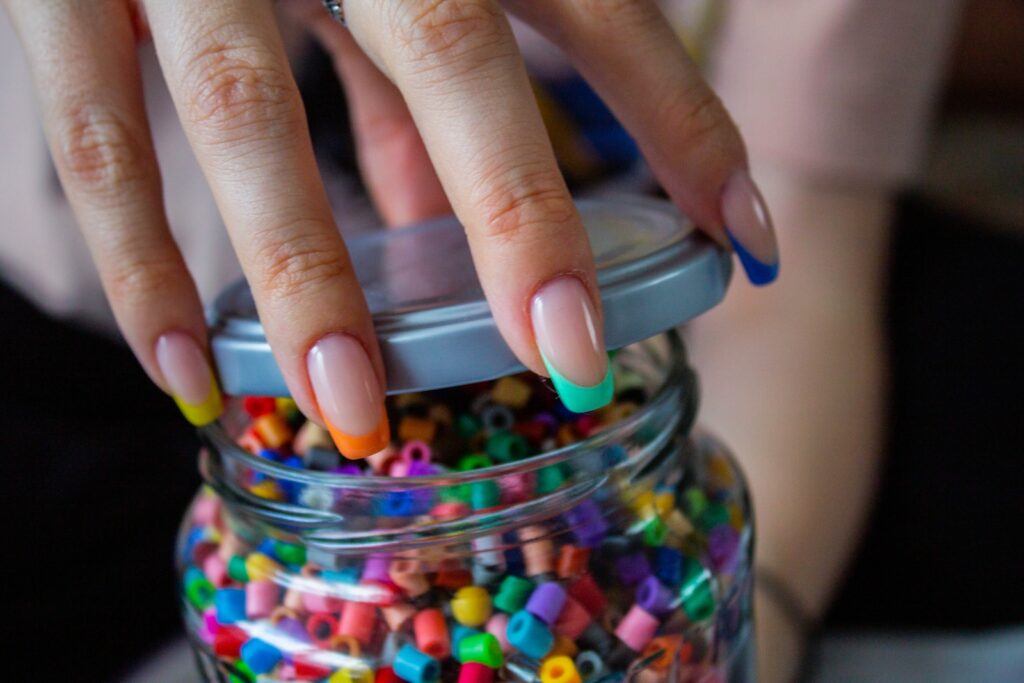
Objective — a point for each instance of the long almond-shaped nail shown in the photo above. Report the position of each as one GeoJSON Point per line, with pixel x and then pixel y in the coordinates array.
{"type": "Point", "coordinates": [750, 230]}
{"type": "Point", "coordinates": [571, 344]}
{"type": "Point", "coordinates": [348, 395]}
{"type": "Point", "coordinates": [193, 385]}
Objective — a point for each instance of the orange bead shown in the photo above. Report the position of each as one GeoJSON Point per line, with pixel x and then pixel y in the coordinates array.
{"type": "Point", "coordinates": [512, 392]}
{"type": "Point", "coordinates": [572, 561]}
{"type": "Point", "coordinates": [272, 430]}
{"type": "Point", "coordinates": [407, 574]}
{"type": "Point", "coordinates": [358, 620]}
{"type": "Point", "coordinates": [538, 550]}
{"type": "Point", "coordinates": [669, 646]}
{"type": "Point", "coordinates": [566, 435]}
{"type": "Point", "coordinates": [417, 429]}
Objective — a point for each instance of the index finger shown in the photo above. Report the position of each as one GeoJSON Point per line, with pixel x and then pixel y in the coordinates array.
{"type": "Point", "coordinates": [457, 65]}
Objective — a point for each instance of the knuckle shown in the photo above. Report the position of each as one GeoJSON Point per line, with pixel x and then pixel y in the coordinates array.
{"type": "Point", "coordinates": [532, 204]}
{"type": "Point", "coordinates": [446, 33]}
{"type": "Point", "coordinates": [234, 89]}
{"type": "Point", "coordinates": [703, 119]}
{"type": "Point", "coordinates": [142, 281]}
{"type": "Point", "coordinates": [302, 264]}
{"type": "Point", "coordinates": [612, 12]}
{"type": "Point", "coordinates": [99, 152]}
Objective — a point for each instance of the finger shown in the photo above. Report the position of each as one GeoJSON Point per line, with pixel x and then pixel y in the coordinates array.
{"type": "Point", "coordinates": [458, 67]}
{"type": "Point", "coordinates": [83, 62]}
{"type": "Point", "coordinates": [228, 74]}
{"type": "Point", "coordinates": [629, 53]}
{"type": "Point", "coordinates": [394, 163]}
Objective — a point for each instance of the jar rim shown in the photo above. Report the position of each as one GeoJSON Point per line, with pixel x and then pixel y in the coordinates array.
{"type": "Point", "coordinates": [678, 383]}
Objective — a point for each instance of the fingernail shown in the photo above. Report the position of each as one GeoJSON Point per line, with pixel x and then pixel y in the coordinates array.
{"type": "Point", "coordinates": [348, 395]}
{"type": "Point", "coordinates": [571, 345]}
{"type": "Point", "coordinates": [750, 230]}
{"type": "Point", "coordinates": [193, 385]}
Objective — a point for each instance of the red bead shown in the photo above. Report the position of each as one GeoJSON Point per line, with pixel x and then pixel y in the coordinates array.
{"type": "Point", "coordinates": [259, 405]}
{"type": "Point", "coordinates": [475, 672]}
{"type": "Point", "coordinates": [321, 627]}
{"type": "Point", "coordinates": [386, 674]}
{"type": "Point", "coordinates": [228, 641]}
{"type": "Point", "coordinates": [587, 593]}
{"type": "Point", "coordinates": [308, 671]}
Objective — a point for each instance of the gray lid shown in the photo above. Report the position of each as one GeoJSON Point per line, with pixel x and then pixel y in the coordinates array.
{"type": "Point", "coordinates": [434, 325]}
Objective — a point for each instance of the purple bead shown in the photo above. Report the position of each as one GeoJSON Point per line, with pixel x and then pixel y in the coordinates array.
{"type": "Point", "coordinates": [587, 524]}
{"type": "Point", "coordinates": [294, 628]}
{"type": "Point", "coordinates": [654, 597]}
{"type": "Point", "coordinates": [420, 468]}
{"type": "Point", "coordinates": [546, 602]}
{"type": "Point", "coordinates": [723, 542]}
{"type": "Point", "coordinates": [376, 568]}
{"type": "Point", "coordinates": [349, 469]}
{"type": "Point", "coordinates": [633, 568]}
{"type": "Point", "coordinates": [548, 420]}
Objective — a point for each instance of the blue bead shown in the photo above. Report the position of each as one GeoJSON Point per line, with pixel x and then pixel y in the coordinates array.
{"type": "Point", "coordinates": [293, 461]}
{"type": "Point", "coordinates": [668, 565]}
{"type": "Point", "coordinates": [268, 548]}
{"type": "Point", "coordinates": [269, 454]}
{"type": "Point", "coordinates": [195, 536]}
{"type": "Point", "coordinates": [416, 667]}
{"type": "Point", "coordinates": [349, 575]}
{"type": "Point", "coordinates": [529, 635]}
{"type": "Point", "coordinates": [396, 504]}
{"type": "Point", "coordinates": [260, 655]}
{"type": "Point", "coordinates": [230, 605]}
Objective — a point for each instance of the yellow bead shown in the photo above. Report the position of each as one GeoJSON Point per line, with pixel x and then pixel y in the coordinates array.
{"type": "Point", "coordinates": [260, 567]}
{"type": "Point", "coordinates": [417, 429]}
{"type": "Point", "coordinates": [267, 489]}
{"type": "Point", "coordinates": [560, 669]}
{"type": "Point", "coordinates": [563, 648]}
{"type": "Point", "coordinates": [471, 606]}
{"type": "Point", "coordinates": [511, 391]}
{"type": "Point", "coordinates": [664, 503]}
{"type": "Point", "coordinates": [643, 504]}
{"type": "Point", "coordinates": [678, 524]}
{"type": "Point", "coordinates": [353, 674]}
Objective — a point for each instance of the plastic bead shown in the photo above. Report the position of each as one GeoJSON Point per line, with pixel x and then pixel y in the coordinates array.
{"type": "Point", "coordinates": [573, 620]}
{"type": "Point", "coordinates": [414, 666]}
{"type": "Point", "coordinates": [696, 594]}
{"type": "Point", "coordinates": [587, 522]}
{"type": "Point", "coordinates": [260, 598]}
{"type": "Point", "coordinates": [352, 674]}
{"type": "Point", "coordinates": [546, 602]}
{"type": "Point", "coordinates": [230, 605]}
{"type": "Point", "coordinates": [471, 606]}
{"type": "Point", "coordinates": [255, 406]}
{"type": "Point", "coordinates": [306, 670]}
{"type": "Point", "coordinates": [559, 669]}
{"type": "Point", "coordinates": [483, 648]}
{"type": "Point", "coordinates": [216, 570]}
{"type": "Point", "coordinates": [529, 635]}
{"type": "Point", "coordinates": [572, 561]}
{"type": "Point", "coordinates": [260, 655]}
{"type": "Point", "coordinates": [633, 568]}
{"type": "Point", "coordinates": [654, 597]}
{"type": "Point", "coordinates": [563, 647]}
{"type": "Point", "coordinates": [497, 626]}
{"type": "Point", "coordinates": [670, 646]}
{"type": "Point", "coordinates": [513, 594]}
{"type": "Point", "coordinates": [484, 494]}
{"type": "Point", "coordinates": [637, 628]}
{"type": "Point", "coordinates": [386, 674]}
{"type": "Point", "coordinates": [228, 641]}
{"type": "Point", "coordinates": [321, 628]}
{"type": "Point", "coordinates": [407, 574]}
{"type": "Point", "coordinates": [272, 430]}
{"type": "Point", "coordinates": [458, 634]}
{"type": "Point", "coordinates": [506, 447]}
{"type": "Point", "coordinates": [474, 672]}
{"type": "Point", "coordinates": [431, 631]}
{"type": "Point", "coordinates": [358, 620]}
{"type": "Point", "coordinates": [588, 594]}
{"type": "Point", "coordinates": [417, 429]}
{"type": "Point", "coordinates": [723, 544]}
{"type": "Point", "coordinates": [397, 616]}
{"type": "Point", "coordinates": [198, 589]}
{"type": "Point", "coordinates": [259, 567]}
{"type": "Point", "coordinates": [590, 666]}
{"type": "Point", "coordinates": [512, 392]}
{"type": "Point", "coordinates": [549, 479]}
{"type": "Point", "coordinates": [538, 551]}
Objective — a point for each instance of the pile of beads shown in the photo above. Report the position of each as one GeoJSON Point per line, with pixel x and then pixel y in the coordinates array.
{"type": "Point", "coordinates": [641, 578]}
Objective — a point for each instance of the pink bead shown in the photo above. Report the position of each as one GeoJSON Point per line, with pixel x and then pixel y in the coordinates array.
{"type": "Point", "coordinates": [398, 468]}
{"type": "Point", "coordinates": [358, 620]}
{"type": "Point", "coordinates": [637, 628]}
{"type": "Point", "coordinates": [216, 570]}
{"type": "Point", "coordinates": [475, 672]}
{"type": "Point", "coordinates": [416, 450]}
{"type": "Point", "coordinates": [397, 616]}
{"type": "Point", "coordinates": [573, 619]}
{"type": "Point", "coordinates": [260, 598]}
{"type": "Point", "coordinates": [318, 602]}
{"type": "Point", "coordinates": [497, 626]}
{"type": "Point", "coordinates": [210, 623]}
{"type": "Point", "coordinates": [431, 632]}
{"type": "Point", "coordinates": [586, 424]}
{"type": "Point", "coordinates": [206, 511]}
{"type": "Point", "coordinates": [293, 600]}
{"type": "Point", "coordinates": [450, 510]}
{"type": "Point", "coordinates": [516, 488]}
{"type": "Point", "coordinates": [202, 550]}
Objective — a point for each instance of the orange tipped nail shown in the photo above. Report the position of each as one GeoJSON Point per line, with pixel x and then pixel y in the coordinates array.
{"type": "Point", "coordinates": [365, 445]}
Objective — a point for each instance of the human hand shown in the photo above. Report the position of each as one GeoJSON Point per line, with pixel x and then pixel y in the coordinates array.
{"type": "Point", "coordinates": [458, 124]}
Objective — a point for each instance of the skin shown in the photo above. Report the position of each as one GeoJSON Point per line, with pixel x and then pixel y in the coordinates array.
{"type": "Point", "coordinates": [444, 118]}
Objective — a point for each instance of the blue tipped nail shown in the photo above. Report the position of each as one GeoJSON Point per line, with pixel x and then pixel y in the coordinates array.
{"type": "Point", "coordinates": [758, 272]}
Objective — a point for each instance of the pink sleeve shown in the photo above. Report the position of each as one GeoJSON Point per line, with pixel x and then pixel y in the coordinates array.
{"type": "Point", "coordinates": [835, 88]}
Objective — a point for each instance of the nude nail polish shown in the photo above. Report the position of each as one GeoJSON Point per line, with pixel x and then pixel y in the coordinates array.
{"type": "Point", "coordinates": [348, 395]}
{"type": "Point", "coordinates": [749, 227]}
{"type": "Point", "coordinates": [192, 383]}
{"type": "Point", "coordinates": [571, 344]}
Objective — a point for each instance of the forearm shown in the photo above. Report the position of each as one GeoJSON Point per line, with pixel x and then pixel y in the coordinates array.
{"type": "Point", "coordinates": [793, 376]}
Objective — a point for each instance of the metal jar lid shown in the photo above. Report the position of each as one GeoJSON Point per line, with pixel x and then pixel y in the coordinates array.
{"type": "Point", "coordinates": [655, 271]}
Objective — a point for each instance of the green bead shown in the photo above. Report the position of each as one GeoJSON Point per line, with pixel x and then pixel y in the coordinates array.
{"type": "Point", "coordinates": [697, 595]}
{"type": "Point", "coordinates": [483, 648]}
{"type": "Point", "coordinates": [290, 553]}
{"type": "Point", "coordinates": [696, 502]}
{"type": "Point", "coordinates": [507, 446]}
{"type": "Point", "coordinates": [459, 493]}
{"type": "Point", "coordinates": [237, 570]}
{"type": "Point", "coordinates": [655, 532]}
{"type": "Point", "coordinates": [513, 594]}
{"type": "Point", "coordinates": [199, 592]}
{"type": "Point", "coordinates": [467, 426]}
{"type": "Point", "coordinates": [473, 461]}
{"type": "Point", "coordinates": [550, 478]}
{"type": "Point", "coordinates": [484, 494]}
{"type": "Point", "coordinates": [713, 515]}
{"type": "Point", "coordinates": [244, 673]}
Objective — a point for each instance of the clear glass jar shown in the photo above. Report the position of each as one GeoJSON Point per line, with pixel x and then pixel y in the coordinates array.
{"type": "Point", "coordinates": [622, 550]}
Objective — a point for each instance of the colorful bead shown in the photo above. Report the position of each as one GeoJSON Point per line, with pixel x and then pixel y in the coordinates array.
{"type": "Point", "coordinates": [260, 655]}
{"type": "Point", "coordinates": [529, 635]}
{"type": "Point", "coordinates": [590, 666]}
{"type": "Point", "coordinates": [230, 605]}
{"type": "Point", "coordinates": [546, 602]}
{"type": "Point", "coordinates": [637, 628]}
{"type": "Point", "coordinates": [259, 566]}
{"type": "Point", "coordinates": [431, 630]}
{"type": "Point", "coordinates": [321, 628]}
{"type": "Point", "coordinates": [413, 666]}
{"type": "Point", "coordinates": [506, 447]}
{"type": "Point", "coordinates": [352, 674]}
{"type": "Point", "coordinates": [358, 620]}
{"type": "Point", "coordinates": [497, 626]}
{"type": "Point", "coordinates": [654, 596]}
{"type": "Point", "coordinates": [471, 606]}
{"type": "Point", "coordinates": [198, 589]}
{"type": "Point", "coordinates": [513, 594]}
{"type": "Point", "coordinates": [573, 620]}
{"type": "Point", "coordinates": [272, 430]}
{"type": "Point", "coordinates": [587, 593]}
{"type": "Point", "coordinates": [538, 551]}
{"type": "Point", "coordinates": [474, 672]}
{"type": "Point", "coordinates": [559, 669]}
{"type": "Point", "coordinates": [483, 648]}
{"type": "Point", "coordinates": [260, 598]}
{"type": "Point", "coordinates": [511, 391]}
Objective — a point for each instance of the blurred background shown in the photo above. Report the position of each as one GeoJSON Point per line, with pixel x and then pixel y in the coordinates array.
{"type": "Point", "coordinates": [873, 395]}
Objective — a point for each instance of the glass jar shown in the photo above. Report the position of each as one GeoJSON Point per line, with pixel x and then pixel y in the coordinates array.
{"type": "Point", "coordinates": [600, 547]}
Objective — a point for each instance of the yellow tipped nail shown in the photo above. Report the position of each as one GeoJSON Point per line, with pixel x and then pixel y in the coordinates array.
{"type": "Point", "coordinates": [200, 414]}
